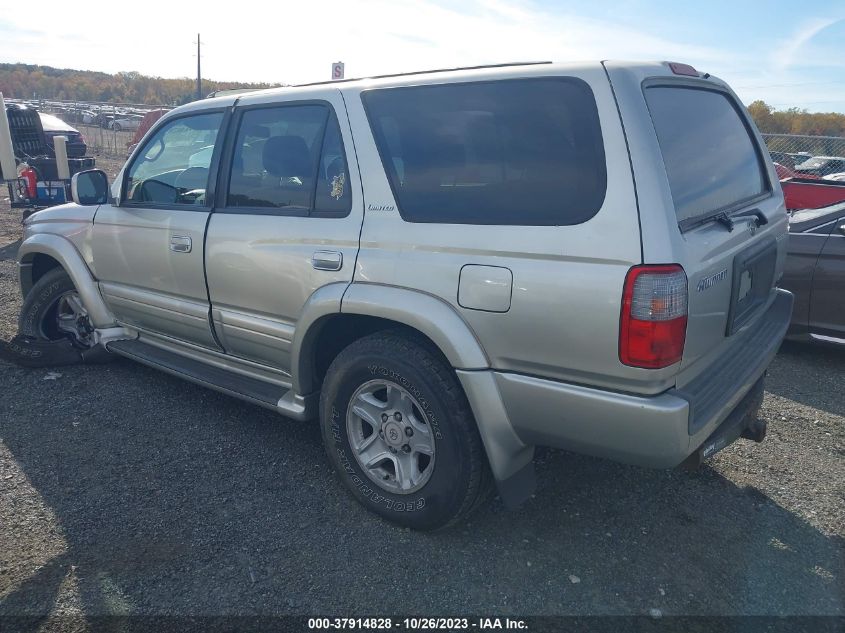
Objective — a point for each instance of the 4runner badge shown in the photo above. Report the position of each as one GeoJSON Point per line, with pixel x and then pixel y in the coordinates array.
{"type": "Point", "coordinates": [712, 280]}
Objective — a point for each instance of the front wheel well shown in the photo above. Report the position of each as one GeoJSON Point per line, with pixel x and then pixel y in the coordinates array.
{"type": "Point", "coordinates": [39, 265]}
{"type": "Point", "coordinates": [336, 332]}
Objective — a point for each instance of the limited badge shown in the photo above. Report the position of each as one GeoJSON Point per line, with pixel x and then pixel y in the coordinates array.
{"type": "Point", "coordinates": [337, 186]}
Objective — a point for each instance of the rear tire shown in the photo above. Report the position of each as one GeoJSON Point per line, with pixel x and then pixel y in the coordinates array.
{"type": "Point", "coordinates": [390, 401]}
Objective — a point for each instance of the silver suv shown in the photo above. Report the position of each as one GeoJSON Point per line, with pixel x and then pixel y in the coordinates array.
{"type": "Point", "coordinates": [447, 269]}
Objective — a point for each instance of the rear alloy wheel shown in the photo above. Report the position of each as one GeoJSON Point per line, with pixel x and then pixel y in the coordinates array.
{"type": "Point", "coordinates": [390, 436]}
{"type": "Point", "coordinates": [400, 434]}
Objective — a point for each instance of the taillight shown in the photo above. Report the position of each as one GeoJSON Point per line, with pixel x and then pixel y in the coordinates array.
{"type": "Point", "coordinates": [653, 324]}
{"type": "Point", "coordinates": [683, 69]}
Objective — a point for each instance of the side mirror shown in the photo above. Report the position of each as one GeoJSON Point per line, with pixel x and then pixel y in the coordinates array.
{"type": "Point", "coordinates": [90, 187]}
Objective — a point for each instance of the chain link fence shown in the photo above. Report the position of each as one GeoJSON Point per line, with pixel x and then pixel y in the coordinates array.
{"type": "Point", "coordinates": [109, 128]}
{"type": "Point", "coordinates": [797, 151]}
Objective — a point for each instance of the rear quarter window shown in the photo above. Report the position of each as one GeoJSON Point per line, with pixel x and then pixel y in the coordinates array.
{"type": "Point", "coordinates": [510, 152]}
{"type": "Point", "coordinates": [711, 159]}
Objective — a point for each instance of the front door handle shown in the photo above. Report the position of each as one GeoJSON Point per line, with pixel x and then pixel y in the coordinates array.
{"type": "Point", "coordinates": [180, 243]}
{"type": "Point", "coordinates": [327, 260]}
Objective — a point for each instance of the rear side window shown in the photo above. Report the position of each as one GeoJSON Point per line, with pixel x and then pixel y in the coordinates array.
{"type": "Point", "coordinates": [512, 152]}
{"type": "Point", "coordinates": [289, 158]}
{"type": "Point", "coordinates": [711, 159]}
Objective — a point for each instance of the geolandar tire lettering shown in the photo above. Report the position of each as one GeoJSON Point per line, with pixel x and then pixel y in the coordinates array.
{"type": "Point", "coordinates": [400, 434]}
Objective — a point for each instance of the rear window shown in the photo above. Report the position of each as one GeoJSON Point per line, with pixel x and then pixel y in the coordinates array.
{"type": "Point", "coordinates": [513, 152]}
{"type": "Point", "coordinates": [710, 157]}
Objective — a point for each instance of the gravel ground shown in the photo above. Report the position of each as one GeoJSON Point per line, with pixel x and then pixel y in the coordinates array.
{"type": "Point", "coordinates": [123, 490]}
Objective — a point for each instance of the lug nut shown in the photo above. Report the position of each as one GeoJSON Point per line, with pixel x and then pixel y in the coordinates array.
{"type": "Point", "coordinates": [384, 417]}
{"type": "Point", "coordinates": [392, 449]}
{"type": "Point", "coordinates": [381, 434]}
{"type": "Point", "coordinates": [406, 448]}
{"type": "Point", "coordinates": [409, 431]}
{"type": "Point", "coordinates": [397, 416]}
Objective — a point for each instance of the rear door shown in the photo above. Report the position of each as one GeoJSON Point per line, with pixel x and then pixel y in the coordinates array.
{"type": "Point", "coordinates": [697, 157]}
{"type": "Point", "coordinates": [287, 221]}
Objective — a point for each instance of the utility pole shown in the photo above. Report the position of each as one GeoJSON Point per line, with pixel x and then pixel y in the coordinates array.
{"type": "Point", "coordinates": [199, 73]}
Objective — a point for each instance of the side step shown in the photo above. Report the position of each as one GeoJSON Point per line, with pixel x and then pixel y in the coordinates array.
{"type": "Point", "coordinates": [251, 389]}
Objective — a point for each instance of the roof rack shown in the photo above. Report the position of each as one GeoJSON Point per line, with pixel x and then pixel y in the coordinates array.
{"type": "Point", "coordinates": [421, 72]}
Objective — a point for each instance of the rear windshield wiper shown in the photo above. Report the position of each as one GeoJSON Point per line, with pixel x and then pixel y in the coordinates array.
{"type": "Point", "coordinates": [730, 221]}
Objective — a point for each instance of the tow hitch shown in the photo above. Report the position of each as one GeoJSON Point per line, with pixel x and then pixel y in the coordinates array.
{"type": "Point", "coordinates": [741, 422]}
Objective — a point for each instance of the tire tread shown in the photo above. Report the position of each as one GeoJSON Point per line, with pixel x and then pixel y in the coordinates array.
{"type": "Point", "coordinates": [420, 352]}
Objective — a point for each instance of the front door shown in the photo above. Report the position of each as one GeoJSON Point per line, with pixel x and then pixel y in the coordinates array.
{"type": "Point", "coordinates": [148, 250]}
{"type": "Point", "coordinates": [287, 221]}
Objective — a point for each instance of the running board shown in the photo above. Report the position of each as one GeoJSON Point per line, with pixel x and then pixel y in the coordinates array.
{"type": "Point", "coordinates": [260, 392]}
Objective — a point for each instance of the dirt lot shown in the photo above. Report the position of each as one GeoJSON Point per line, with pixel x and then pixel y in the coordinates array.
{"type": "Point", "coordinates": [123, 490]}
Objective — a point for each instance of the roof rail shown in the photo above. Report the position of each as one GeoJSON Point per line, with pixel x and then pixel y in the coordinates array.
{"type": "Point", "coordinates": [421, 72]}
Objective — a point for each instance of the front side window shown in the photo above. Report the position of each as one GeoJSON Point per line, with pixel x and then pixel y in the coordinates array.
{"type": "Point", "coordinates": [173, 166]}
{"type": "Point", "coordinates": [511, 152]}
{"type": "Point", "coordinates": [291, 158]}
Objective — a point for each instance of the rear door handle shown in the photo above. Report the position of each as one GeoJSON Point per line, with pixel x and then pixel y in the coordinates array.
{"type": "Point", "coordinates": [327, 260]}
{"type": "Point", "coordinates": [180, 243]}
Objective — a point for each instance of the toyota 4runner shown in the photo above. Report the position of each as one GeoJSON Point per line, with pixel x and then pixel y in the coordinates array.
{"type": "Point", "coordinates": [447, 269]}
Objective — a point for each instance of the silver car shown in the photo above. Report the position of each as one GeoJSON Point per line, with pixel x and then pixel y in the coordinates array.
{"type": "Point", "coordinates": [446, 269]}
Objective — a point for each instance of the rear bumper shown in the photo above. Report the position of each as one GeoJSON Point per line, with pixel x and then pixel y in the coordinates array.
{"type": "Point", "coordinates": [654, 431]}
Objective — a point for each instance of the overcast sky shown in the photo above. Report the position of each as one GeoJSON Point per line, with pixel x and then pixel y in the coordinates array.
{"type": "Point", "coordinates": [785, 52]}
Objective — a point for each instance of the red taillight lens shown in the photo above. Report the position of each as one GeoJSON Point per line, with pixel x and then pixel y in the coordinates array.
{"type": "Point", "coordinates": [653, 324]}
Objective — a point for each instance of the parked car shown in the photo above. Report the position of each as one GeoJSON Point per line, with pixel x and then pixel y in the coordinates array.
{"type": "Point", "coordinates": [799, 157]}
{"type": "Point", "coordinates": [125, 122]}
{"type": "Point", "coordinates": [783, 159]}
{"type": "Point", "coordinates": [445, 269]}
{"type": "Point", "coordinates": [147, 122]}
{"type": "Point", "coordinates": [821, 165]}
{"type": "Point", "coordinates": [54, 126]}
{"type": "Point", "coordinates": [815, 274]}
{"type": "Point", "coordinates": [785, 172]}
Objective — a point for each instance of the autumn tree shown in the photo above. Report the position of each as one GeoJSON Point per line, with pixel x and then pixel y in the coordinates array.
{"type": "Point", "coordinates": [25, 81]}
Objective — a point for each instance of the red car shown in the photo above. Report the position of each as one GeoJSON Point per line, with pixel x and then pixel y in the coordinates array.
{"type": "Point", "coordinates": [785, 172]}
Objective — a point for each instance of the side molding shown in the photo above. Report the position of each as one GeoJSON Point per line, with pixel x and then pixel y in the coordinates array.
{"type": "Point", "coordinates": [63, 251]}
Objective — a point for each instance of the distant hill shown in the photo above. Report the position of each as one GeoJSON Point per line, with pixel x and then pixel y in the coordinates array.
{"type": "Point", "coordinates": [25, 81]}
